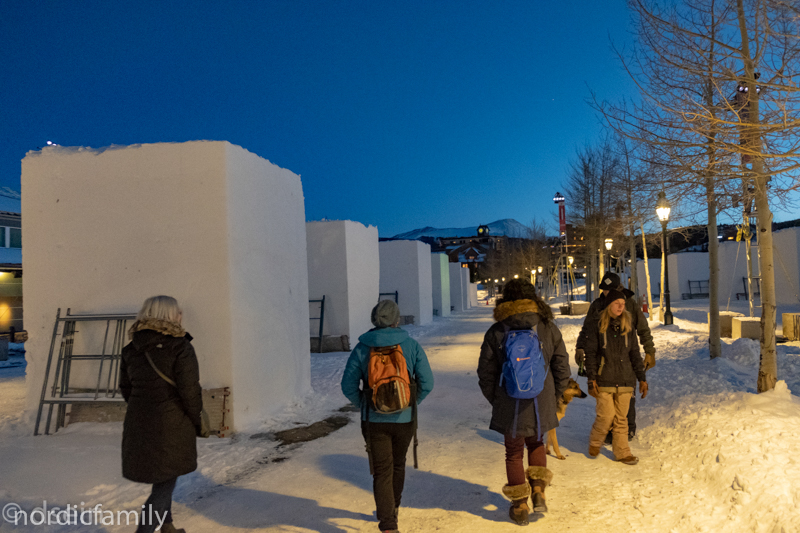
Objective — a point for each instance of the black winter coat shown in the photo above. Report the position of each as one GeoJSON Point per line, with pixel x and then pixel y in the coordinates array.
{"type": "Point", "coordinates": [522, 314]}
{"type": "Point", "coordinates": [160, 429]}
{"type": "Point", "coordinates": [622, 363]}
{"type": "Point", "coordinates": [639, 321]}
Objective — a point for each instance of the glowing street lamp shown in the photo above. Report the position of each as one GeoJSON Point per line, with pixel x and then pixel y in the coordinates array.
{"type": "Point", "coordinates": [663, 209]}
{"type": "Point", "coordinates": [609, 244]}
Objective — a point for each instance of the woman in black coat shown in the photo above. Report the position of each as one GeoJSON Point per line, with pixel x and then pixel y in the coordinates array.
{"type": "Point", "coordinates": [162, 420]}
{"type": "Point", "coordinates": [613, 366]}
{"type": "Point", "coordinates": [521, 309]}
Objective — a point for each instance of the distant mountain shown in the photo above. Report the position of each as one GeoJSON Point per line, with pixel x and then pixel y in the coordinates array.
{"type": "Point", "coordinates": [507, 226]}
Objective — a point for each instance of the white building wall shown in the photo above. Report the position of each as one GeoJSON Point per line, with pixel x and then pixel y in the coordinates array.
{"type": "Point", "coordinates": [440, 273]}
{"type": "Point", "coordinates": [405, 267]}
{"type": "Point", "coordinates": [457, 295]}
{"type": "Point", "coordinates": [217, 227]}
{"type": "Point", "coordinates": [786, 244]}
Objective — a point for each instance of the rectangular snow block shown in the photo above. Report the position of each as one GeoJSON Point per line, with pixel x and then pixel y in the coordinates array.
{"type": "Point", "coordinates": [746, 327]}
{"type": "Point", "coordinates": [406, 268]}
{"type": "Point", "coordinates": [343, 265]}
{"type": "Point", "coordinates": [580, 308]}
{"type": "Point", "coordinates": [725, 322]}
{"type": "Point", "coordinates": [791, 326]}
{"type": "Point", "coordinates": [215, 226]}
{"type": "Point", "coordinates": [440, 272]}
{"type": "Point", "coordinates": [458, 295]}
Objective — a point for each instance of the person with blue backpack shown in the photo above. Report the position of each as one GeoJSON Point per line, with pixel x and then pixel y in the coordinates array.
{"type": "Point", "coordinates": [523, 370]}
{"type": "Point", "coordinates": [387, 375]}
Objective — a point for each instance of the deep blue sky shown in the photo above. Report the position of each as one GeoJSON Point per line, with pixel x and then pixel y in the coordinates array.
{"type": "Point", "coordinates": [399, 114]}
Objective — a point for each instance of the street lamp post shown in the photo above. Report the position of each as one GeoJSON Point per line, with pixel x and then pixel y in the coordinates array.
{"type": "Point", "coordinates": [663, 209]}
{"type": "Point", "coordinates": [570, 279]}
{"type": "Point", "coordinates": [609, 244]}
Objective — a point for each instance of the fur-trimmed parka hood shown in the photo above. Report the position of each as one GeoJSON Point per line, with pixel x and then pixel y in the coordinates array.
{"type": "Point", "coordinates": [507, 309]}
{"type": "Point", "coordinates": [166, 327]}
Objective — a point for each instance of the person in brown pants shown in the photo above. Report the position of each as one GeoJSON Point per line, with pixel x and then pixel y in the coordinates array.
{"type": "Point", "coordinates": [613, 366]}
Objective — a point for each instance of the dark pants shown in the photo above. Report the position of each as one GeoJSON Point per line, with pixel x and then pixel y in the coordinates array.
{"type": "Point", "coordinates": [160, 501]}
{"type": "Point", "coordinates": [515, 449]}
{"type": "Point", "coordinates": [389, 445]}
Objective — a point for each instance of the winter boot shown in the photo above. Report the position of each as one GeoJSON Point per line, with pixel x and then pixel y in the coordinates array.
{"type": "Point", "coordinates": [630, 460]}
{"type": "Point", "coordinates": [539, 477]}
{"type": "Point", "coordinates": [594, 451]}
{"type": "Point", "coordinates": [170, 528]}
{"type": "Point", "coordinates": [519, 510]}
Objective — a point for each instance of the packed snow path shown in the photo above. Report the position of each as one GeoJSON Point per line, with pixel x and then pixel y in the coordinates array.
{"type": "Point", "coordinates": [713, 456]}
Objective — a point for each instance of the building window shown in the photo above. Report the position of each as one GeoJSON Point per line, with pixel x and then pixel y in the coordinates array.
{"type": "Point", "coordinates": [15, 238]}
{"type": "Point", "coordinates": [3, 239]}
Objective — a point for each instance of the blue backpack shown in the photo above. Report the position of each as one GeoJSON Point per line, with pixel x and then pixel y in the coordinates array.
{"type": "Point", "coordinates": [524, 368]}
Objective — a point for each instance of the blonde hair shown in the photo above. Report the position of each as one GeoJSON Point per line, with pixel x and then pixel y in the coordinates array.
{"type": "Point", "coordinates": [161, 308]}
{"type": "Point", "coordinates": [625, 321]}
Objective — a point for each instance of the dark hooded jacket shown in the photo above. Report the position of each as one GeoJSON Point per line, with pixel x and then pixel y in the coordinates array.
{"type": "Point", "coordinates": [522, 314]}
{"type": "Point", "coordinates": [618, 354]}
{"type": "Point", "coordinates": [355, 373]}
{"type": "Point", "coordinates": [640, 324]}
{"type": "Point", "coordinates": [159, 433]}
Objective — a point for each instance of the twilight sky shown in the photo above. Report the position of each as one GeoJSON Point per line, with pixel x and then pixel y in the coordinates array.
{"type": "Point", "coordinates": [398, 114]}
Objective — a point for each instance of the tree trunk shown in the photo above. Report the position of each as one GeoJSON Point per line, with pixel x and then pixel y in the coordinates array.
{"type": "Point", "coordinates": [768, 363]}
{"type": "Point", "coordinates": [647, 276]}
{"type": "Point", "coordinates": [634, 284]}
{"type": "Point", "coordinates": [714, 333]}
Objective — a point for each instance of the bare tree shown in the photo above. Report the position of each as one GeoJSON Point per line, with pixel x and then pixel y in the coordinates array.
{"type": "Point", "coordinates": [694, 56]}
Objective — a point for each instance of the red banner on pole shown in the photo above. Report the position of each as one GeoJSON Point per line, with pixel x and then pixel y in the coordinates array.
{"type": "Point", "coordinates": [562, 218]}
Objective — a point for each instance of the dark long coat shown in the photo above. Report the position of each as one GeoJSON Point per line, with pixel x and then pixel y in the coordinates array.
{"type": "Point", "coordinates": [619, 354]}
{"type": "Point", "coordinates": [522, 314]}
{"type": "Point", "coordinates": [638, 319]}
{"type": "Point", "coordinates": [160, 430]}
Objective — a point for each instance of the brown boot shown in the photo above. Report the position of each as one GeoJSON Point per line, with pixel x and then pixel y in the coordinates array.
{"type": "Point", "coordinates": [539, 478]}
{"type": "Point", "coordinates": [519, 510]}
{"type": "Point", "coordinates": [539, 503]}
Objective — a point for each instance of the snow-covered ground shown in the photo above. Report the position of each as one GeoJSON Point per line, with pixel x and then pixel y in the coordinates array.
{"type": "Point", "coordinates": [715, 456]}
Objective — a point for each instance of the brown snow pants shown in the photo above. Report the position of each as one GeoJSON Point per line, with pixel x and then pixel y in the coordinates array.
{"type": "Point", "coordinates": [612, 413]}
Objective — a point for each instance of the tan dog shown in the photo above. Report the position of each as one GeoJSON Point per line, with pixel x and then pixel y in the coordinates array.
{"type": "Point", "coordinates": [573, 391]}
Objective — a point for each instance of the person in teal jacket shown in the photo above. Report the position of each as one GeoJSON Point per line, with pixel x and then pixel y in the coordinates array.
{"type": "Point", "coordinates": [388, 436]}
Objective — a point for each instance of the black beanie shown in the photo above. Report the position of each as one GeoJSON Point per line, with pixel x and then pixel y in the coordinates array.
{"type": "Point", "coordinates": [609, 281]}
{"type": "Point", "coordinates": [611, 296]}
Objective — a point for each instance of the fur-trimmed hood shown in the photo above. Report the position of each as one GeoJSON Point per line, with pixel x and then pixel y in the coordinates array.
{"type": "Point", "coordinates": [507, 309]}
{"type": "Point", "coordinates": [166, 327]}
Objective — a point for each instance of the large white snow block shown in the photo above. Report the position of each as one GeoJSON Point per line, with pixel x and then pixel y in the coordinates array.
{"type": "Point", "coordinates": [441, 284]}
{"type": "Point", "coordinates": [473, 294]}
{"type": "Point", "coordinates": [343, 265]}
{"type": "Point", "coordinates": [458, 295]}
{"type": "Point", "coordinates": [725, 322]}
{"type": "Point", "coordinates": [745, 327]}
{"type": "Point", "coordinates": [465, 287]}
{"type": "Point", "coordinates": [215, 226]}
{"type": "Point", "coordinates": [406, 268]}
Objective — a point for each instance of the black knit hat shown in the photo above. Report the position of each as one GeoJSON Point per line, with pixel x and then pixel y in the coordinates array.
{"type": "Point", "coordinates": [611, 296]}
{"type": "Point", "coordinates": [609, 281]}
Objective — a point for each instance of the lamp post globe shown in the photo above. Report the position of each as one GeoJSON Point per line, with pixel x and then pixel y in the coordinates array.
{"type": "Point", "coordinates": [663, 209]}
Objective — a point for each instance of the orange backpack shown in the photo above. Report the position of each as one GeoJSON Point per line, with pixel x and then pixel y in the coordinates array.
{"type": "Point", "coordinates": [388, 379]}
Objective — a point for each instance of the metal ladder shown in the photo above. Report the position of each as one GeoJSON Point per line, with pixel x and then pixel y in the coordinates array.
{"type": "Point", "coordinates": [321, 318]}
{"type": "Point", "coordinates": [61, 393]}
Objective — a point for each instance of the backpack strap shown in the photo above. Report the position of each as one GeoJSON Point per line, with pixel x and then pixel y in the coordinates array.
{"type": "Point", "coordinates": [159, 372]}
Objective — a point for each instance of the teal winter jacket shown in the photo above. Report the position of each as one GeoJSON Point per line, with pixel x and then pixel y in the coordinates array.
{"type": "Point", "coordinates": [354, 378]}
